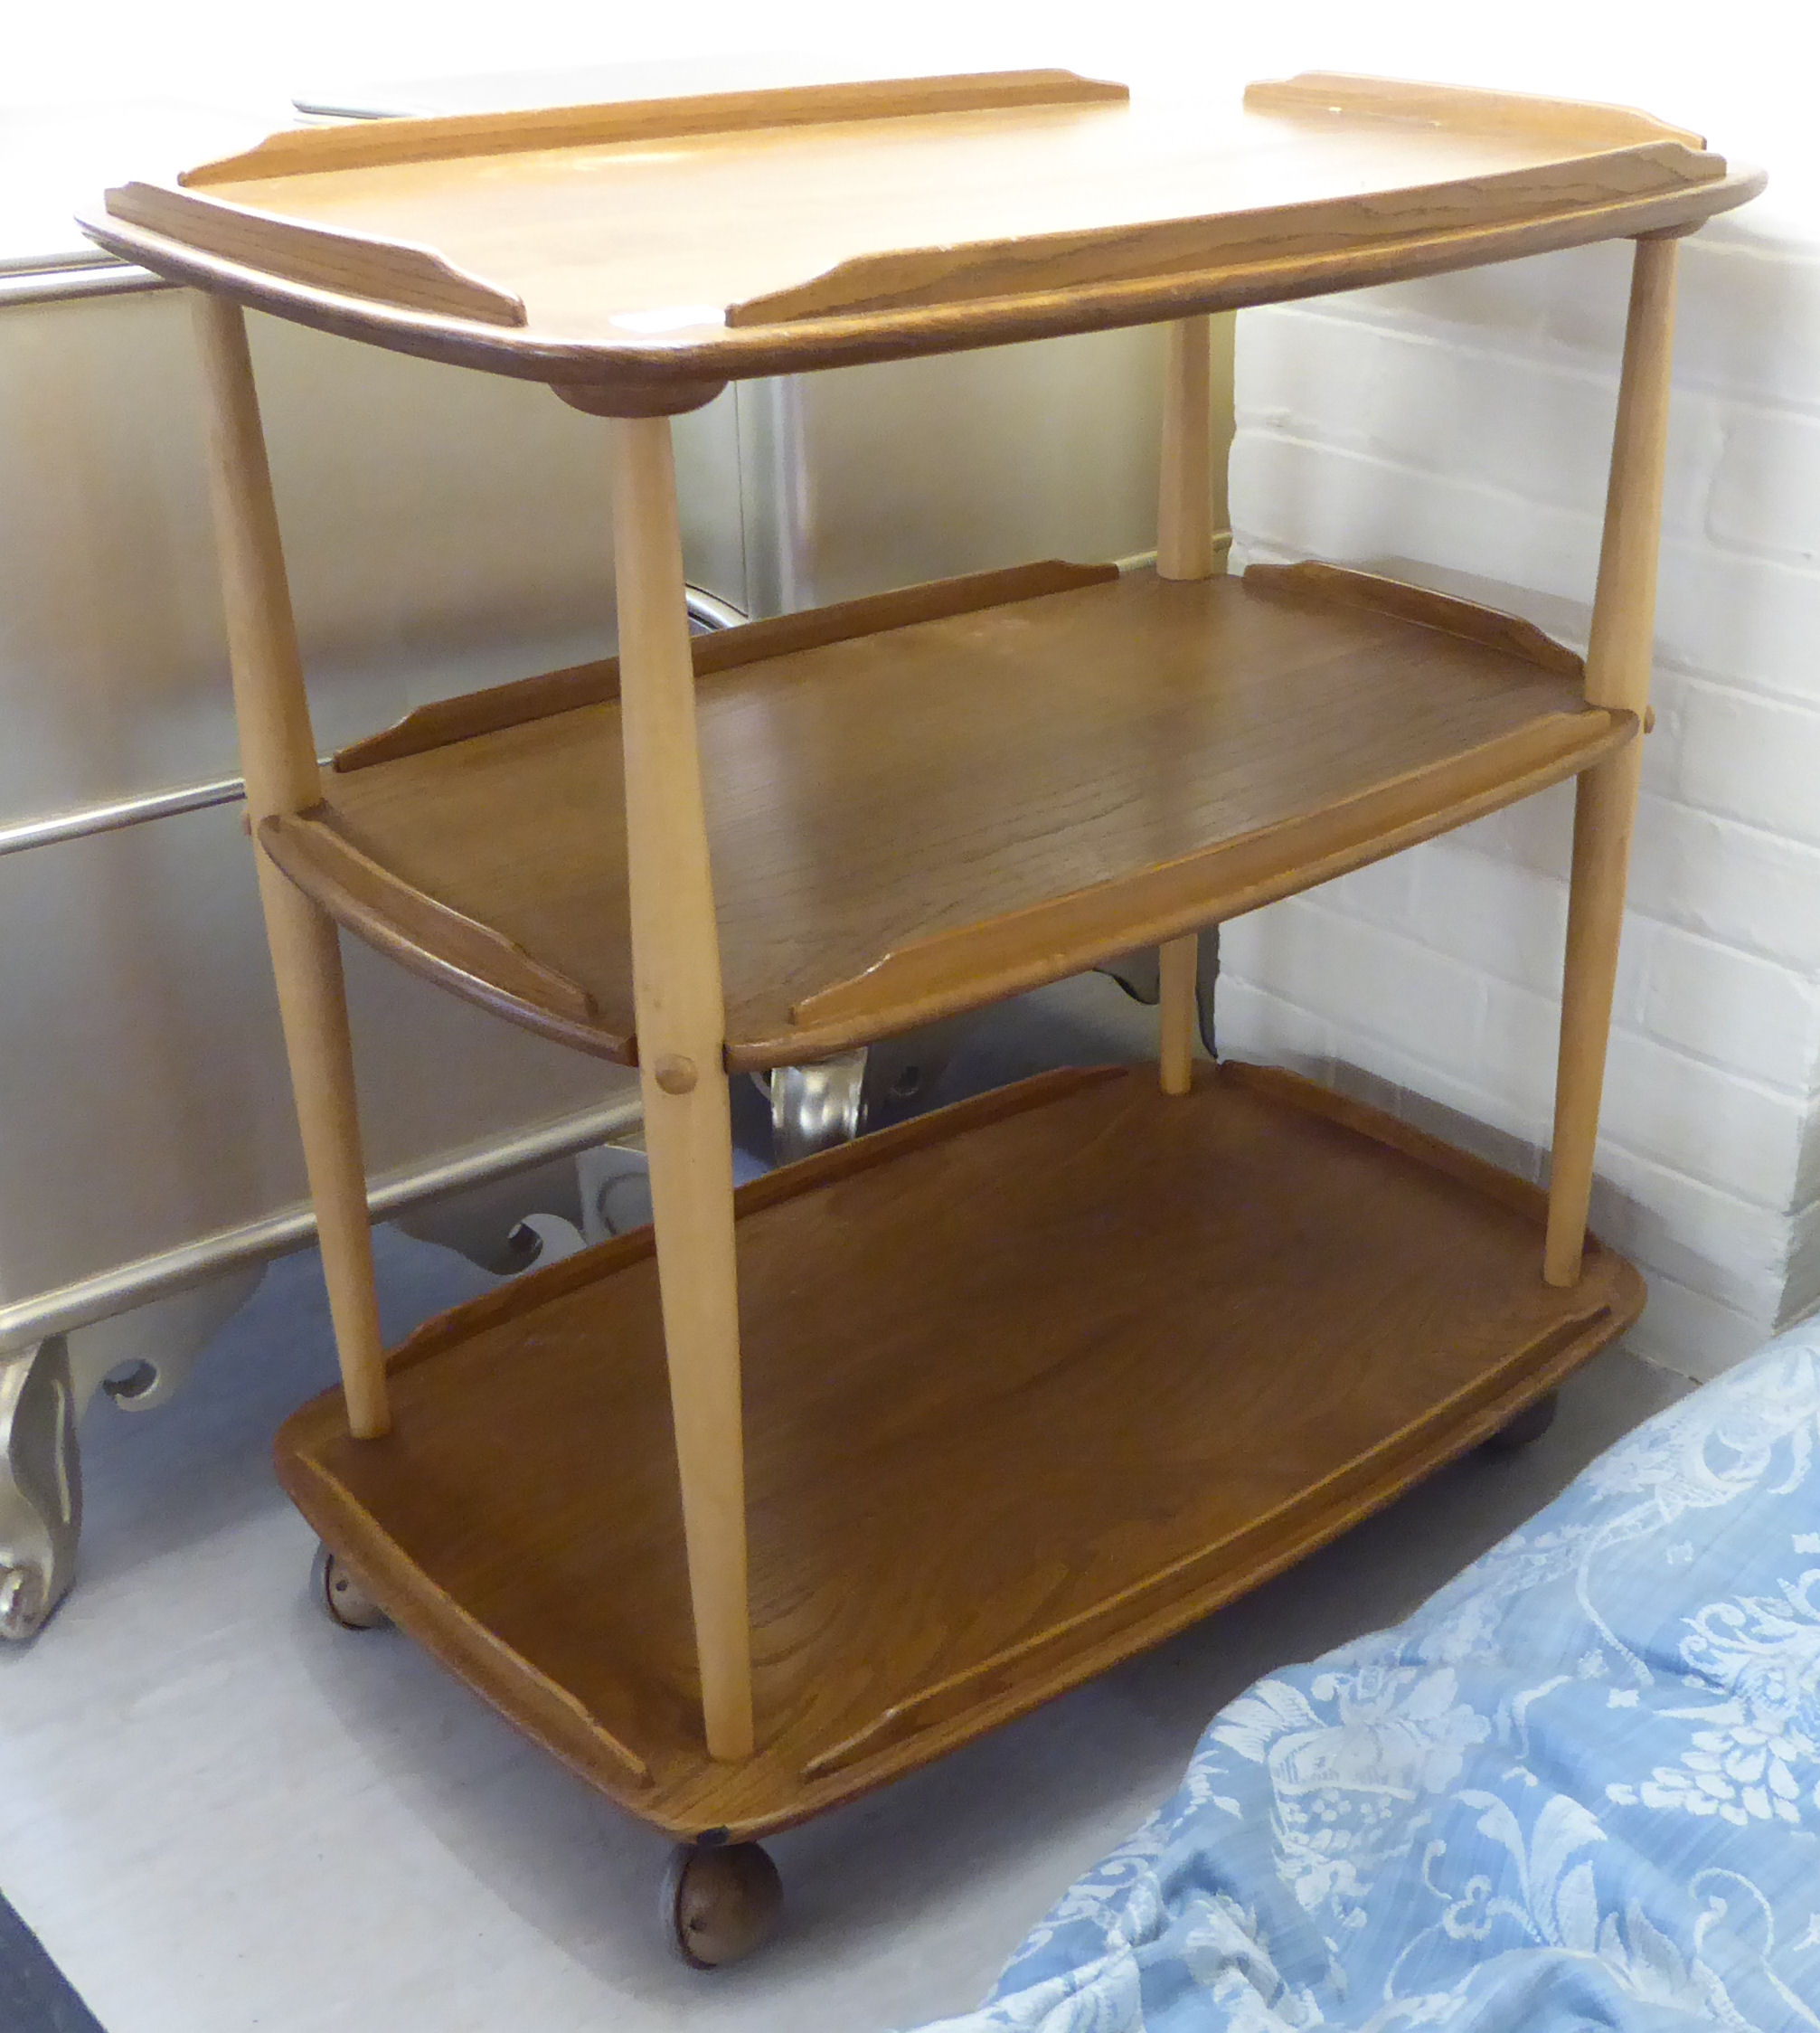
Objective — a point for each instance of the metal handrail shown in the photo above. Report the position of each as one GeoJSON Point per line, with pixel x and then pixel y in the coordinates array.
{"type": "Point", "coordinates": [86, 820]}
{"type": "Point", "coordinates": [66, 281]}
{"type": "Point", "coordinates": [128, 1285]}
{"type": "Point", "coordinates": [708, 612]}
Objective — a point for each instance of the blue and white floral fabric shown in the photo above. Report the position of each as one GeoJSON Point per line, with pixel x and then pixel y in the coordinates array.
{"type": "Point", "coordinates": [1579, 1788]}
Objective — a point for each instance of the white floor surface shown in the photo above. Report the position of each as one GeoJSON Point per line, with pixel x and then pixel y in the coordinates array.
{"type": "Point", "coordinates": [220, 1813]}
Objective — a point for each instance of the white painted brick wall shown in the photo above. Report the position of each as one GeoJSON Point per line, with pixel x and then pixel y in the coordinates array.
{"type": "Point", "coordinates": [1456, 432]}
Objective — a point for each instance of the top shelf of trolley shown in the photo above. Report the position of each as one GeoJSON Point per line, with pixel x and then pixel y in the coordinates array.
{"type": "Point", "coordinates": [666, 246]}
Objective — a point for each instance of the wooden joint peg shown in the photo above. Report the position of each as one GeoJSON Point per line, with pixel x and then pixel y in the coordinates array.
{"type": "Point", "coordinates": [688, 1127]}
{"type": "Point", "coordinates": [278, 762]}
{"type": "Point", "coordinates": [1617, 672]}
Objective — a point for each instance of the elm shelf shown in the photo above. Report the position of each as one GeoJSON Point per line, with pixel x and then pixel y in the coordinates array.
{"type": "Point", "coordinates": [1328, 1304]}
{"type": "Point", "coordinates": [913, 821]}
{"type": "Point", "coordinates": [777, 230]}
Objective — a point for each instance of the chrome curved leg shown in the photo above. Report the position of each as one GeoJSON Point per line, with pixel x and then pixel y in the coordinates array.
{"type": "Point", "coordinates": [1136, 974]}
{"type": "Point", "coordinates": [41, 1485]}
{"type": "Point", "coordinates": [816, 1107]}
{"type": "Point", "coordinates": [143, 1358]}
{"type": "Point", "coordinates": [831, 1102]}
{"type": "Point", "coordinates": [140, 1358]}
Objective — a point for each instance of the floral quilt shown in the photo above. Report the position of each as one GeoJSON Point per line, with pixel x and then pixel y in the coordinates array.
{"type": "Point", "coordinates": [1579, 1788]}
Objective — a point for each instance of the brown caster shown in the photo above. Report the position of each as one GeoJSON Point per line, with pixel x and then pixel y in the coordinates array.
{"type": "Point", "coordinates": [1530, 1425]}
{"type": "Point", "coordinates": [718, 1903]}
{"type": "Point", "coordinates": [343, 1598]}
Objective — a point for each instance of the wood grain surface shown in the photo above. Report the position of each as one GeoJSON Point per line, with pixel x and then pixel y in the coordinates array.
{"type": "Point", "coordinates": [910, 823]}
{"type": "Point", "coordinates": [278, 759]}
{"type": "Point", "coordinates": [1344, 587]}
{"type": "Point", "coordinates": [1030, 1383]}
{"type": "Point", "coordinates": [377, 144]}
{"type": "Point", "coordinates": [788, 238]}
{"type": "Point", "coordinates": [681, 1022]}
{"type": "Point", "coordinates": [405, 922]}
{"type": "Point", "coordinates": [1345, 95]}
{"type": "Point", "coordinates": [351, 264]}
{"type": "Point", "coordinates": [723, 649]}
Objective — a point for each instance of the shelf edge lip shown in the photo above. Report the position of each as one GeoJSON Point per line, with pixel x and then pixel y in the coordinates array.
{"type": "Point", "coordinates": [1477, 1407]}
{"type": "Point", "coordinates": [1363, 96]}
{"type": "Point", "coordinates": [360, 142]}
{"type": "Point", "coordinates": [1051, 937]}
{"type": "Point", "coordinates": [717, 652]}
{"type": "Point", "coordinates": [409, 274]}
{"type": "Point", "coordinates": [909, 280]}
{"type": "Point", "coordinates": [747, 353]}
{"type": "Point", "coordinates": [845, 1015]}
{"type": "Point", "coordinates": [853, 1023]}
{"type": "Point", "coordinates": [540, 1000]}
{"type": "Point", "coordinates": [1314, 583]}
{"type": "Point", "coordinates": [454, 1633]}
{"type": "Point", "coordinates": [322, 1416]}
{"type": "Point", "coordinates": [1609, 1298]}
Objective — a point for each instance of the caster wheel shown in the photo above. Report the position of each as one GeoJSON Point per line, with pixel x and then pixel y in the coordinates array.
{"type": "Point", "coordinates": [1530, 1425]}
{"type": "Point", "coordinates": [718, 1905]}
{"type": "Point", "coordinates": [343, 1598]}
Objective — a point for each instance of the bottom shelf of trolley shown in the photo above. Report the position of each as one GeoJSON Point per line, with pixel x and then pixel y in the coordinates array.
{"type": "Point", "coordinates": [1030, 1385]}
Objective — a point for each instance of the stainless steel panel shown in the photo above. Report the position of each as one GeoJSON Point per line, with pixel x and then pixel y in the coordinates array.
{"type": "Point", "coordinates": [444, 530]}
{"type": "Point", "coordinates": [143, 1091]}
{"type": "Point", "coordinates": [865, 478]}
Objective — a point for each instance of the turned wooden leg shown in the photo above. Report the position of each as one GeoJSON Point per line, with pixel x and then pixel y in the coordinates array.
{"type": "Point", "coordinates": [1617, 670]}
{"type": "Point", "coordinates": [1178, 1013]}
{"type": "Point", "coordinates": [278, 760]}
{"type": "Point", "coordinates": [1184, 504]}
{"type": "Point", "coordinates": [682, 1036]}
{"type": "Point", "coordinates": [1184, 550]}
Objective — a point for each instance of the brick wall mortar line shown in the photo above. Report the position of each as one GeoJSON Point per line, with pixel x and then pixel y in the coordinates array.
{"type": "Point", "coordinates": [1509, 1109]}
{"type": "Point", "coordinates": [1493, 491]}
{"type": "Point", "coordinates": [1727, 819]}
{"type": "Point", "coordinates": [1431, 335]}
{"type": "Point", "coordinates": [1497, 1113]}
{"type": "Point", "coordinates": [1619, 1029]}
{"type": "Point", "coordinates": [1568, 362]}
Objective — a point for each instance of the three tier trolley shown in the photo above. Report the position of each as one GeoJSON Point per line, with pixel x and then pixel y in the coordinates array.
{"type": "Point", "coordinates": [745, 1514]}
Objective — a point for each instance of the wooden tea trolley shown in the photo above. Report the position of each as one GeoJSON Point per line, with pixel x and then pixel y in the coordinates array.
{"type": "Point", "coordinates": [748, 1514]}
